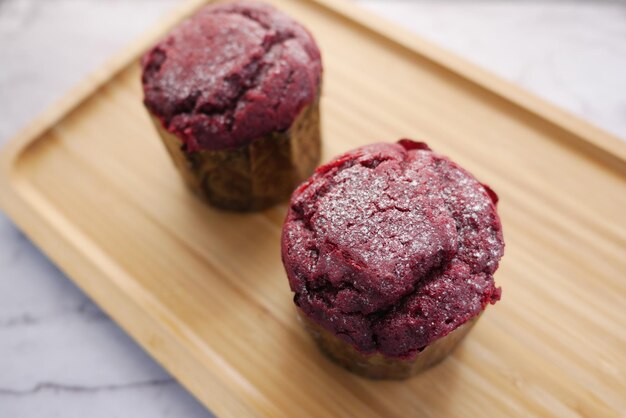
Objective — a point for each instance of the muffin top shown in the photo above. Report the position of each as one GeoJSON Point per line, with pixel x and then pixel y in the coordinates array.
{"type": "Point", "coordinates": [391, 247]}
{"type": "Point", "coordinates": [231, 73]}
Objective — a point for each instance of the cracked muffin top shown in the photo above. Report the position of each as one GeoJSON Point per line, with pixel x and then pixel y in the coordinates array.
{"type": "Point", "coordinates": [231, 73]}
{"type": "Point", "coordinates": [391, 247]}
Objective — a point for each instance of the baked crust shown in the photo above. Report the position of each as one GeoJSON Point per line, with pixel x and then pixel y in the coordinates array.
{"type": "Point", "coordinates": [254, 176]}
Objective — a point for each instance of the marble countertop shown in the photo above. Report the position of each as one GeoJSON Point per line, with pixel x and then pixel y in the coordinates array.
{"type": "Point", "coordinates": [61, 356]}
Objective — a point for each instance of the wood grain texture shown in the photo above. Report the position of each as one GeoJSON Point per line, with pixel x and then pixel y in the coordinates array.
{"type": "Point", "coordinates": [205, 292]}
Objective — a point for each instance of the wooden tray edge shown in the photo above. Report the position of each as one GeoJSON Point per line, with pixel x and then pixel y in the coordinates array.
{"type": "Point", "coordinates": [88, 86]}
{"type": "Point", "coordinates": [67, 254]}
{"type": "Point", "coordinates": [218, 386]}
{"type": "Point", "coordinates": [598, 142]}
{"type": "Point", "coordinates": [16, 198]}
{"type": "Point", "coordinates": [594, 139]}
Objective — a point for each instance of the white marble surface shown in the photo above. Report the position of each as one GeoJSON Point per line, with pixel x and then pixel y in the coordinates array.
{"type": "Point", "coordinates": [60, 356]}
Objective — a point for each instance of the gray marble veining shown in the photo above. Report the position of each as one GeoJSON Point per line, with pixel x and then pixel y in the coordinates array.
{"type": "Point", "coordinates": [60, 355]}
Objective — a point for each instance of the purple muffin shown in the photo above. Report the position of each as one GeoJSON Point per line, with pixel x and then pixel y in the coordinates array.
{"type": "Point", "coordinates": [390, 250]}
{"type": "Point", "coordinates": [234, 92]}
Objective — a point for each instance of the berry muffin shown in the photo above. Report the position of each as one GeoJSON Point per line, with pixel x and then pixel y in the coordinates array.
{"type": "Point", "coordinates": [390, 250]}
{"type": "Point", "coordinates": [234, 94]}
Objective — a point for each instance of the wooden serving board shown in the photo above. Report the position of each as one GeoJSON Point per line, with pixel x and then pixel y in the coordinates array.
{"type": "Point", "coordinates": [205, 292]}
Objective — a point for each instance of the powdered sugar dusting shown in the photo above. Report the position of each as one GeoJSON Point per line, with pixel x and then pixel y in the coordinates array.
{"type": "Point", "coordinates": [230, 74]}
{"type": "Point", "coordinates": [392, 247]}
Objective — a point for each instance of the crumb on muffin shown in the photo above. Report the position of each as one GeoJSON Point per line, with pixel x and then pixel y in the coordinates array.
{"type": "Point", "coordinates": [391, 247]}
{"type": "Point", "coordinates": [230, 74]}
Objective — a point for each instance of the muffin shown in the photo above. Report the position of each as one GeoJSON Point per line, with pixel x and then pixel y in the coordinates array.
{"type": "Point", "coordinates": [234, 93]}
{"type": "Point", "coordinates": [390, 250]}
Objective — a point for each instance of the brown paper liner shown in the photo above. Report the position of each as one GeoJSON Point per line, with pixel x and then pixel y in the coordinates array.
{"type": "Point", "coordinates": [255, 176]}
{"type": "Point", "coordinates": [378, 366]}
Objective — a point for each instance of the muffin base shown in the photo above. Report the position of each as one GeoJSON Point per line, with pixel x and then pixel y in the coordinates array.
{"type": "Point", "coordinates": [255, 176]}
{"type": "Point", "coordinates": [378, 366]}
